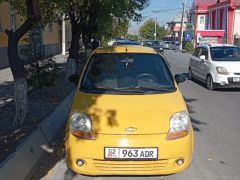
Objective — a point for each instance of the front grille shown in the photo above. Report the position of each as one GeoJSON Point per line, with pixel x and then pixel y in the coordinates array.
{"type": "Point", "coordinates": [237, 73]}
{"type": "Point", "coordinates": [233, 84]}
{"type": "Point", "coordinates": [130, 165]}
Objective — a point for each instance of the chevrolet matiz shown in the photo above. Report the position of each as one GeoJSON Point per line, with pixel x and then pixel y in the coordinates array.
{"type": "Point", "coordinates": [128, 116]}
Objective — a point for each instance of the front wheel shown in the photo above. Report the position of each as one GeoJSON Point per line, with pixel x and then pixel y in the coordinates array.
{"type": "Point", "coordinates": [209, 83]}
{"type": "Point", "coordinates": [190, 74]}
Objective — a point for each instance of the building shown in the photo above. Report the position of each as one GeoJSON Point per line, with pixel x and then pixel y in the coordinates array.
{"type": "Point", "coordinates": [215, 21]}
{"type": "Point", "coordinates": [51, 36]}
{"type": "Point", "coordinates": [174, 27]}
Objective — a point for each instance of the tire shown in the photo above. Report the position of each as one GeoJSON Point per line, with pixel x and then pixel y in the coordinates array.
{"type": "Point", "coordinates": [209, 83]}
{"type": "Point", "coordinates": [190, 74]}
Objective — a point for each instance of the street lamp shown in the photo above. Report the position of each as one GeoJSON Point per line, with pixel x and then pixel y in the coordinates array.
{"type": "Point", "coordinates": [155, 30]}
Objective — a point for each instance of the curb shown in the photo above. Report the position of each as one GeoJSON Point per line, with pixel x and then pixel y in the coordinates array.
{"type": "Point", "coordinates": [27, 155]}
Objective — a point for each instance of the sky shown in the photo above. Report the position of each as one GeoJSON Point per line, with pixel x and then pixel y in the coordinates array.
{"type": "Point", "coordinates": [163, 10]}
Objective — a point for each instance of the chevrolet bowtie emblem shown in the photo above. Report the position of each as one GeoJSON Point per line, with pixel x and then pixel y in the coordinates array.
{"type": "Point", "coordinates": [130, 129]}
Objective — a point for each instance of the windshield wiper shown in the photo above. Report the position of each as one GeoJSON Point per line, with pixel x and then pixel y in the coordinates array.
{"type": "Point", "coordinates": [122, 90]}
{"type": "Point", "coordinates": [147, 89]}
{"type": "Point", "coordinates": [138, 89]}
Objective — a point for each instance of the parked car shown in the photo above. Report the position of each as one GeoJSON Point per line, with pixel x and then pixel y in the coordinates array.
{"type": "Point", "coordinates": [216, 65]}
{"type": "Point", "coordinates": [113, 41]}
{"type": "Point", "coordinates": [157, 45]}
{"type": "Point", "coordinates": [167, 44]}
{"type": "Point", "coordinates": [174, 45]}
{"type": "Point", "coordinates": [126, 42]}
{"type": "Point", "coordinates": [128, 116]}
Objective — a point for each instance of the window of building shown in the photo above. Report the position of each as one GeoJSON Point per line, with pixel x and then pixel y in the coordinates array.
{"type": "Point", "coordinates": [201, 22]}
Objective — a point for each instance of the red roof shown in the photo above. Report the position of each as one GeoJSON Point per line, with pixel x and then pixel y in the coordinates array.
{"type": "Point", "coordinates": [207, 3]}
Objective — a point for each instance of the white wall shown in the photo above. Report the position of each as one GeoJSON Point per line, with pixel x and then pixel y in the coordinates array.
{"type": "Point", "coordinates": [236, 22]}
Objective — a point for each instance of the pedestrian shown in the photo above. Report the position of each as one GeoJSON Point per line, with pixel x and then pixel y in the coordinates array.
{"type": "Point", "coordinates": [95, 44]}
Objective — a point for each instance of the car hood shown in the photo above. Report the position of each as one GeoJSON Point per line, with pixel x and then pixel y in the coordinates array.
{"type": "Point", "coordinates": [231, 66]}
{"type": "Point", "coordinates": [129, 114]}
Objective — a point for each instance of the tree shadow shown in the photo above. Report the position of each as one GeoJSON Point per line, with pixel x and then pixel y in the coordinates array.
{"type": "Point", "coordinates": [195, 123]}
{"type": "Point", "coordinates": [41, 103]}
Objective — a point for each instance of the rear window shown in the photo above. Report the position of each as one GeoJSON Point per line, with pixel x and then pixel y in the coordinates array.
{"type": "Point", "coordinates": [127, 73]}
{"type": "Point", "coordinates": [225, 53]}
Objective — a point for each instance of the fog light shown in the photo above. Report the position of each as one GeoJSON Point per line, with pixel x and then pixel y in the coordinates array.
{"type": "Point", "coordinates": [222, 83]}
{"type": "Point", "coordinates": [80, 162]}
{"type": "Point", "coordinates": [180, 162]}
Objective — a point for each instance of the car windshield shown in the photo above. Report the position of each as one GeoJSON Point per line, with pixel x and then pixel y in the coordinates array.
{"type": "Point", "coordinates": [225, 53]}
{"type": "Point", "coordinates": [127, 73]}
{"type": "Point", "coordinates": [127, 43]}
{"type": "Point", "coordinates": [151, 43]}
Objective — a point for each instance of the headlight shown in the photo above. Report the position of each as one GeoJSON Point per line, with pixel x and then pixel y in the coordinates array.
{"type": "Point", "coordinates": [179, 126]}
{"type": "Point", "coordinates": [222, 70]}
{"type": "Point", "coordinates": [161, 48]}
{"type": "Point", "coordinates": [81, 126]}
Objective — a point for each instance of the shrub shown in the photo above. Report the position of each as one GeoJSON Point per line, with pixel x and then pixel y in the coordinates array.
{"type": "Point", "coordinates": [189, 47]}
{"type": "Point", "coordinates": [237, 42]}
{"type": "Point", "coordinates": [41, 73]}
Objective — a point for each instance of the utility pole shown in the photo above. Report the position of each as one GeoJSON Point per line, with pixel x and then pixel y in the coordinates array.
{"type": "Point", "coordinates": [63, 36]}
{"type": "Point", "coordinates": [155, 30]}
{"type": "Point", "coordinates": [182, 23]}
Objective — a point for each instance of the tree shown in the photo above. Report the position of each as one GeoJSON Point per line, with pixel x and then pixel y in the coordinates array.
{"type": "Point", "coordinates": [88, 17]}
{"type": "Point", "coordinates": [33, 12]}
{"type": "Point", "coordinates": [148, 28]}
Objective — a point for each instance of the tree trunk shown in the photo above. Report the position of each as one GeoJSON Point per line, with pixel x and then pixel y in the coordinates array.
{"type": "Point", "coordinates": [75, 45]}
{"type": "Point", "coordinates": [17, 65]}
{"type": "Point", "coordinates": [71, 67]}
{"type": "Point", "coordinates": [20, 83]}
{"type": "Point", "coordinates": [87, 44]}
{"type": "Point", "coordinates": [21, 100]}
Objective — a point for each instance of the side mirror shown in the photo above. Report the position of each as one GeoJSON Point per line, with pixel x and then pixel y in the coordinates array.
{"type": "Point", "coordinates": [203, 57]}
{"type": "Point", "coordinates": [74, 78]}
{"type": "Point", "coordinates": [180, 78]}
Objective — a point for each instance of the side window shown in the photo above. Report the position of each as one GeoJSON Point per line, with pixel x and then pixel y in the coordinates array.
{"type": "Point", "coordinates": [196, 52]}
{"type": "Point", "coordinates": [205, 53]}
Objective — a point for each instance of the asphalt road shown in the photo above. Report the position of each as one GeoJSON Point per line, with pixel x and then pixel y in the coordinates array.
{"type": "Point", "coordinates": [215, 116]}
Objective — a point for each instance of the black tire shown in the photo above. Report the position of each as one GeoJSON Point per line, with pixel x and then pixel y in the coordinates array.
{"type": "Point", "coordinates": [209, 83]}
{"type": "Point", "coordinates": [190, 74]}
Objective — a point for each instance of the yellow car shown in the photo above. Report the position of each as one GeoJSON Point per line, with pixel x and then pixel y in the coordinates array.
{"type": "Point", "coordinates": [128, 116]}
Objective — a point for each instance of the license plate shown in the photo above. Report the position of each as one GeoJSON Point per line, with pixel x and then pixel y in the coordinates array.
{"type": "Point", "coordinates": [130, 153]}
{"type": "Point", "coordinates": [236, 79]}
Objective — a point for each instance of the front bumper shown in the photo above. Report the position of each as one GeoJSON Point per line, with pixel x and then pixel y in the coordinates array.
{"type": "Point", "coordinates": [226, 81]}
{"type": "Point", "coordinates": [92, 153]}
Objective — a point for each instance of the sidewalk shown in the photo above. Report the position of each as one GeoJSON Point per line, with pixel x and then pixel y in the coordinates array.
{"type": "Point", "coordinates": [6, 80]}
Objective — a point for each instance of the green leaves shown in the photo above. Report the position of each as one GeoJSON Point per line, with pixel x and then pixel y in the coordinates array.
{"type": "Point", "coordinates": [148, 28]}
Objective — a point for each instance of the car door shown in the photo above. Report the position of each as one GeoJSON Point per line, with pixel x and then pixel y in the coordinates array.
{"type": "Point", "coordinates": [204, 64]}
{"type": "Point", "coordinates": [194, 61]}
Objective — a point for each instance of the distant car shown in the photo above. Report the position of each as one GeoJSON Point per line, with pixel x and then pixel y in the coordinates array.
{"type": "Point", "coordinates": [173, 45]}
{"type": "Point", "coordinates": [167, 44]}
{"type": "Point", "coordinates": [216, 65]}
{"type": "Point", "coordinates": [112, 41]}
{"type": "Point", "coordinates": [126, 42]}
{"type": "Point", "coordinates": [128, 116]}
{"type": "Point", "coordinates": [157, 45]}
